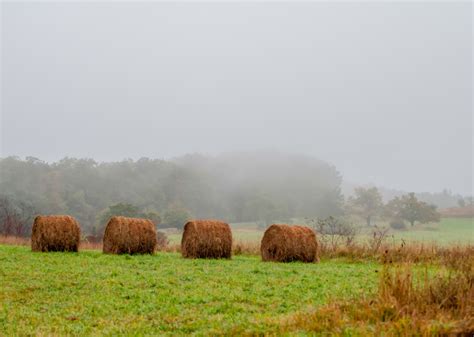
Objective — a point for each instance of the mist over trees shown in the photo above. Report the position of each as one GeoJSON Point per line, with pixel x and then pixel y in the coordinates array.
{"type": "Point", "coordinates": [16, 216]}
{"type": "Point", "coordinates": [238, 187]}
{"type": "Point", "coordinates": [366, 203]}
{"type": "Point", "coordinates": [259, 187]}
{"type": "Point", "coordinates": [443, 199]}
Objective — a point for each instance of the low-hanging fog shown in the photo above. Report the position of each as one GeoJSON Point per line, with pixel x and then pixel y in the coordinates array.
{"type": "Point", "coordinates": [382, 91]}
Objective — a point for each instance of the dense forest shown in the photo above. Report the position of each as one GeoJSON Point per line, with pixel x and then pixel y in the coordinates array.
{"type": "Point", "coordinates": [237, 187]}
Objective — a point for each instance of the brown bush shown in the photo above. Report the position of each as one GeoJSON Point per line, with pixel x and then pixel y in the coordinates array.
{"type": "Point", "coordinates": [55, 233]}
{"type": "Point", "coordinates": [162, 240]}
{"type": "Point", "coordinates": [206, 239]}
{"type": "Point", "coordinates": [284, 243]}
{"type": "Point", "coordinates": [14, 240]}
{"type": "Point", "coordinates": [129, 236]}
{"type": "Point", "coordinates": [246, 248]}
{"type": "Point", "coordinates": [174, 248]}
{"type": "Point", "coordinates": [93, 239]}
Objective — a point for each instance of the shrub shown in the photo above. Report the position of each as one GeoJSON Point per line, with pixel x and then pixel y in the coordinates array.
{"type": "Point", "coordinates": [334, 232]}
{"type": "Point", "coordinates": [398, 224]}
{"type": "Point", "coordinates": [162, 240]}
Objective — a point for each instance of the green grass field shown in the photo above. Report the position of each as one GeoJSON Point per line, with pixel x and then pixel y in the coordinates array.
{"type": "Point", "coordinates": [448, 231]}
{"type": "Point", "coordinates": [90, 293]}
{"type": "Point", "coordinates": [94, 294]}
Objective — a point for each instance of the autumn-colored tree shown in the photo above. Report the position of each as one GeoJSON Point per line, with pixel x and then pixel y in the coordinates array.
{"type": "Point", "coordinates": [409, 208]}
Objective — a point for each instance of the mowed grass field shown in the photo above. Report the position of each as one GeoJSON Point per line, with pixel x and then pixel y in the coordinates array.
{"type": "Point", "coordinates": [89, 293]}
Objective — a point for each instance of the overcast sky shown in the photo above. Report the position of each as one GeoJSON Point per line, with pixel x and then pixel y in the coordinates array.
{"type": "Point", "coordinates": [382, 91]}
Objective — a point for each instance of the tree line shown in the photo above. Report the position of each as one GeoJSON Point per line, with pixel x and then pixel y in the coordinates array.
{"type": "Point", "coordinates": [367, 203]}
{"type": "Point", "coordinates": [261, 187]}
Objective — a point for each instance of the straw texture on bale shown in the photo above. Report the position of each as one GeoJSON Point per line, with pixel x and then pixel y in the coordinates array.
{"type": "Point", "coordinates": [55, 233]}
{"type": "Point", "coordinates": [284, 243]}
{"type": "Point", "coordinates": [129, 236]}
{"type": "Point", "coordinates": [206, 239]}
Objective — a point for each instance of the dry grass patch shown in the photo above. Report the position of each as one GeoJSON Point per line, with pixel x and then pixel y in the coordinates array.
{"type": "Point", "coordinates": [14, 240]}
{"type": "Point", "coordinates": [406, 304]}
{"type": "Point", "coordinates": [246, 248]}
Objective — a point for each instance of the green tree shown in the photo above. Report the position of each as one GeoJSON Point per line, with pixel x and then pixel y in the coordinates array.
{"type": "Point", "coordinates": [120, 209]}
{"type": "Point", "coordinates": [263, 209]}
{"type": "Point", "coordinates": [461, 202]}
{"type": "Point", "coordinates": [175, 217]}
{"type": "Point", "coordinates": [264, 187]}
{"type": "Point", "coordinates": [428, 213]}
{"type": "Point", "coordinates": [153, 216]}
{"type": "Point", "coordinates": [367, 203]}
{"type": "Point", "coordinates": [128, 210]}
{"type": "Point", "coordinates": [16, 216]}
{"type": "Point", "coordinates": [410, 209]}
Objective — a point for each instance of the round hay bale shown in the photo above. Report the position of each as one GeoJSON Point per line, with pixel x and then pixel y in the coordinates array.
{"type": "Point", "coordinates": [55, 233]}
{"type": "Point", "coordinates": [206, 239]}
{"type": "Point", "coordinates": [129, 236]}
{"type": "Point", "coordinates": [284, 243]}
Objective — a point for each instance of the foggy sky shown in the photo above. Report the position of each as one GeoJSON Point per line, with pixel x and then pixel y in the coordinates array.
{"type": "Point", "coordinates": [383, 91]}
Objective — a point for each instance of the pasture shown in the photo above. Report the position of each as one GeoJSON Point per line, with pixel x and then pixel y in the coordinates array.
{"type": "Point", "coordinates": [447, 231]}
{"type": "Point", "coordinates": [95, 294]}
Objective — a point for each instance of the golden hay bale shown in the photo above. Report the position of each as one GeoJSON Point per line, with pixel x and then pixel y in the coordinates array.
{"type": "Point", "coordinates": [284, 243]}
{"type": "Point", "coordinates": [129, 236]}
{"type": "Point", "coordinates": [55, 233]}
{"type": "Point", "coordinates": [206, 239]}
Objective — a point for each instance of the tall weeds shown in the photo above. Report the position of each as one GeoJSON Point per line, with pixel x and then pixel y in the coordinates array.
{"type": "Point", "coordinates": [410, 301]}
{"type": "Point", "coordinates": [454, 256]}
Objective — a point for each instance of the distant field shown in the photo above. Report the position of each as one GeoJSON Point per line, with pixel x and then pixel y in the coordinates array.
{"type": "Point", "coordinates": [449, 230]}
{"type": "Point", "coordinates": [246, 233]}
{"type": "Point", "coordinates": [94, 294]}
